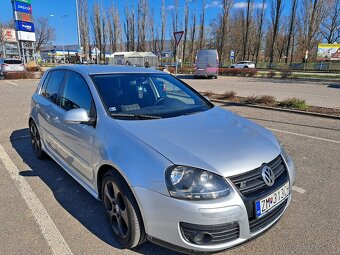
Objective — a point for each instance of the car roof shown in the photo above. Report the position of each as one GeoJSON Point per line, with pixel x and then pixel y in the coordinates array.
{"type": "Point", "coordinates": [105, 69]}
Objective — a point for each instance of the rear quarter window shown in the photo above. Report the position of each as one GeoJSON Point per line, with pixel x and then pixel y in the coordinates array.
{"type": "Point", "coordinates": [13, 61]}
{"type": "Point", "coordinates": [53, 85]}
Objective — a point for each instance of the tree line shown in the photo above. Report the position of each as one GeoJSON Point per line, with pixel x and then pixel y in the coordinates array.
{"type": "Point", "coordinates": [257, 30]}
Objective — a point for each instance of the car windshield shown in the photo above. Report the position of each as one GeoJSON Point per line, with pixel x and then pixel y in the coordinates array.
{"type": "Point", "coordinates": [147, 96]}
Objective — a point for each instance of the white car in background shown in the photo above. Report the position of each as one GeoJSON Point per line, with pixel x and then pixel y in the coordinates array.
{"type": "Point", "coordinates": [10, 65]}
{"type": "Point", "coordinates": [243, 64]}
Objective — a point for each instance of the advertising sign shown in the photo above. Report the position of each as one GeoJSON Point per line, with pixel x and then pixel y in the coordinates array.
{"type": "Point", "coordinates": [22, 7]}
{"type": "Point", "coordinates": [232, 54]}
{"type": "Point", "coordinates": [328, 52]}
{"type": "Point", "coordinates": [9, 35]}
{"type": "Point", "coordinates": [26, 36]}
{"type": "Point", "coordinates": [24, 26]}
{"type": "Point", "coordinates": [25, 1]}
{"type": "Point", "coordinates": [23, 16]}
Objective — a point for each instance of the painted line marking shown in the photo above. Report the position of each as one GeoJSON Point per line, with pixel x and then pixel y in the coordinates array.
{"type": "Point", "coordinates": [9, 82]}
{"type": "Point", "coordinates": [48, 229]}
{"type": "Point", "coordinates": [299, 190]}
{"type": "Point", "coordinates": [308, 136]}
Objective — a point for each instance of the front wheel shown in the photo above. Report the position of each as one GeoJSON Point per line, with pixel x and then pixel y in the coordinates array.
{"type": "Point", "coordinates": [122, 210]}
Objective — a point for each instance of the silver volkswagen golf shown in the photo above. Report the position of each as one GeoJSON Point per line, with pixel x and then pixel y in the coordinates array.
{"type": "Point", "coordinates": [169, 166]}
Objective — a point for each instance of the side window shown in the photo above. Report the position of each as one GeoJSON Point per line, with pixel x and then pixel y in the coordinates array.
{"type": "Point", "coordinates": [43, 86]}
{"type": "Point", "coordinates": [76, 94]}
{"type": "Point", "coordinates": [53, 85]}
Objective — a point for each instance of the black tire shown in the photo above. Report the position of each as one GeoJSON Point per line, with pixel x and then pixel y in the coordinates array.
{"type": "Point", "coordinates": [36, 141]}
{"type": "Point", "coordinates": [245, 67]}
{"type": "Point", "coordinates": [122, 210]}
{"type": "Point", "coordinates": [232, 67]}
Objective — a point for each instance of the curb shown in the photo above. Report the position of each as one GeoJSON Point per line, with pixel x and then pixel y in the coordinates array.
{"type": "Point", "coordinates": [314, 114]}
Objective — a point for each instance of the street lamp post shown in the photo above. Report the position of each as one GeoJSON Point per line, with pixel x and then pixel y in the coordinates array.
{"type": "Point", "coordinates": [62, 32]}
{"type": "Point", "coordinates": [78, 30]}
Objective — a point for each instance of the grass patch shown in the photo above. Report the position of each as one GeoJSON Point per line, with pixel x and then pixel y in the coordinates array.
{"type": "Point", "coordinates": [251, 99]}
{"type": "Point", "coordinates": [294, 103]}
{"type": "Point", "coordinates": [266, 100]}
{"type": "Point", "coordinates": [227, 95]}
{"type": "Point", "coordinates": [208, 93]}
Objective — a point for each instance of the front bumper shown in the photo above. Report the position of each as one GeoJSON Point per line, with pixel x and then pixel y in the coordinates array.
{"type": "Point", "coordinates": [164, 217]}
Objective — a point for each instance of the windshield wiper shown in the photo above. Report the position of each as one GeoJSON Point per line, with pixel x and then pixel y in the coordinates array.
{"type": "Point", "coordinates": [134, 116]}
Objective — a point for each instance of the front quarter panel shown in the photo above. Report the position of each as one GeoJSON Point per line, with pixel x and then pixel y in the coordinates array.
{"type": "Point", "coordinates": [137, 162]}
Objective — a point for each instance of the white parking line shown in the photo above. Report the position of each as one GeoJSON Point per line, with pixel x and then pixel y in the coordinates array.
{"type": "Point", "coordinates": [299, 190]}
{"type": "Point", "coordinates": [9, 82]}
{"type": "Point", "coordinates": [308, 136]}
{"type": "Point", "coordinates": [48, 229]}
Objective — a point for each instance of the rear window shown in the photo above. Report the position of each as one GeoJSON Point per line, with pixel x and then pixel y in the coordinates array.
{"type": "Point", "coordinates": [13, 61]}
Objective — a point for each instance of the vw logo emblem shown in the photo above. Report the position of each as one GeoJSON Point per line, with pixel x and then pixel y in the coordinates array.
{"type": "Point", "coordinates": [268, 176]}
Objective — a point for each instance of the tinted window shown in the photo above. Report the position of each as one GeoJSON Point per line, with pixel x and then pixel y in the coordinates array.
{"type": "Point", "coordinates": [53, 85]}
{"type": "Point", "coordinates": [13, 61]}
{"type": "Point", "coordinates": [76, 93]}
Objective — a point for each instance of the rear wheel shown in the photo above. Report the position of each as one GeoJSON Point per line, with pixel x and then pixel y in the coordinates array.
{"type": "Point", "coordinates": [122, 210]}
{"type": "Point", "coordinates": [36, 141]}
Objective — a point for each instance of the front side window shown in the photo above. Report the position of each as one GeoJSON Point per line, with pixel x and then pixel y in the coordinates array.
{"type": "Point", "coordinates": [76, 93]}
{"type": "Point", "coordinates": [53, 85]}
{"type": "Point", "coordinates": [154, 95]}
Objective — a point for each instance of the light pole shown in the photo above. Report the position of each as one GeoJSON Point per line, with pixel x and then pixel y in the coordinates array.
{"type": "Point", "coordinates": [78, 30]}
{"type": "Point", "coordinates": [62, 31]}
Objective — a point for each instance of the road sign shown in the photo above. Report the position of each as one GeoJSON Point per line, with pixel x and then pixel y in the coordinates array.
{"type": "Point", "coordinates": [23, 16]}
{"type": "Point", "coordinates": [232, 54]}
{"type": "Point", "coordinates": [22, 7]}
{"type": "Point", "coordinates": [24, 26]}
{"type": "Point", "coordinates": [25, 1]}
{"type": "Point", "coordinates": [178, 36]}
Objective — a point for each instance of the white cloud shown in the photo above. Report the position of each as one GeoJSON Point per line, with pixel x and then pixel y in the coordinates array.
{"type": "Point", "coordinates": [170, 7]}
{"type": "Point", "coordinates": [242, 5]}
{"type": "Point", "coordinates": [214, 4]}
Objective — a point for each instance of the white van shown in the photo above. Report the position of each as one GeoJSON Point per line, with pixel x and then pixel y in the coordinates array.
{"type": "Point", "coordinates": [206, 64]}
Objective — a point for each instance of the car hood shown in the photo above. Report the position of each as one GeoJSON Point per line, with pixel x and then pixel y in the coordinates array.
{"type": "Point", "coordinates": [215, 140]}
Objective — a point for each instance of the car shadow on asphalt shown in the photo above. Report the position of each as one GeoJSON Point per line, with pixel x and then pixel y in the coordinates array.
{"type": "Point", "coordinates": [71, 195]}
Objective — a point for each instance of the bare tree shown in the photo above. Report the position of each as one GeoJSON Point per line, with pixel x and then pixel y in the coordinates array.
{"type": "Point", "coordinates": [193, 35]}
{"type": "Point", "coordinates": [142, 19]}
{"type": "Point", "coordinates": [84, 27]}
{"type": "Point", "coordinates": [313, 14]}
{"type": "Point", "coordinates": [129, 28]}
{"type": "Point", "coordinates": [174, 18]}
{"type": "Point", "coordinates": [260, 29]}
{"type": "Point", "coordinates": [97, 28]}
{"type": "Point", "coordinates": [223, 29]}
{"type": "Point", "coordinates": [291, 27]}
{"type": "Point", "coordinates": [186, 24]}
{"type": "Point", "coordinates": [246, 27]}
{"type": "Point", "coordinates": [163, 31]}
{"type": "Point", "coordinates": [331, 25]}
{"type": "Point", "coordinates": [276, 11]}
{"type": "Point", "coordinates": [44, 33]}
{"type": "Point", "coordinates": [202, 20]}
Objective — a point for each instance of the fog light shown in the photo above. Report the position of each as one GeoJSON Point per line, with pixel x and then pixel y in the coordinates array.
{"type": "Point", "coordinates": [202, 238]}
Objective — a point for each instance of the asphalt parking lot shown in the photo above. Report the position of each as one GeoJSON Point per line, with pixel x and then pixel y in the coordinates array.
{"type": "Point", "coordinates": [71, 221]}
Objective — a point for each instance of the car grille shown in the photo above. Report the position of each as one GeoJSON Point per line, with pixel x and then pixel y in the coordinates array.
{"type": "Point", "coordinates": [257, 224]}
{"type": "Point", "coordinates": [251, 182]}
{"type": "Point", "coordinates": [222, 233]}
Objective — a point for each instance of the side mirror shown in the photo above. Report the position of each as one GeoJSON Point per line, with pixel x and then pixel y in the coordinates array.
{"type": "Point", "coordinates": [77, 116]}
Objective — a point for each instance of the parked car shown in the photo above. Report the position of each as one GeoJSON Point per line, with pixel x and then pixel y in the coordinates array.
{"type": "Point", "coordinates": [169, 166]}
{"type": "Point", "coordinates": [243, 64]}
{"type": "Point", "coordinates": [206, 64]}
{"type": "Point", "coordinates": [11, 65]}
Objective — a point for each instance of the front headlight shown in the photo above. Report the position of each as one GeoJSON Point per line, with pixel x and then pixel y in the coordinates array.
{"type": "Point", "coordinates": [195, 184]}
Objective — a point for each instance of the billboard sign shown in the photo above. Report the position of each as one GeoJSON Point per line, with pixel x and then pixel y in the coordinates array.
{"type": "Point", "coordinates": [26, 36]}
{"type": "Point", "coordinates": [9, 35]}
{"type": "Point", "coordinates": [25, 1]}
{"type": "Point", "coordinates": [22, 7]}
{"type": "Point", "coordinates": [23, 16]}
{"type": "Point", "coordinates": [327, 52]}
{"type": "Point", "coordinates": [24, 26]}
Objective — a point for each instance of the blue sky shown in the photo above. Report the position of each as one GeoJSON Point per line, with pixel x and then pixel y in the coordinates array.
{"type": "Point", "coordinates": [66, 29]}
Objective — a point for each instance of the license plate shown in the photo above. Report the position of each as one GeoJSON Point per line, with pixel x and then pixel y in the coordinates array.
{"type": "Point", "coordinates": [269, 202]}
